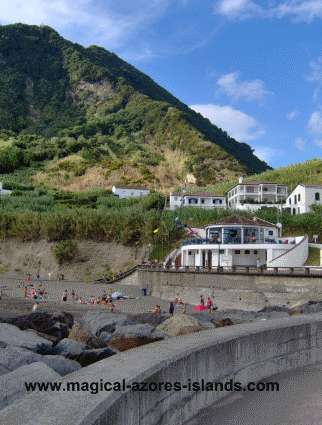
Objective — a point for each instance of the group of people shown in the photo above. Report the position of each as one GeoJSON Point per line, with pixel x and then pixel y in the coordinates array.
{"type": "Point", "coordinates": [102, 300]}
{"type": "Point", "coordinates": [35, 294]}
{"type": "Point", "coordinates": [151, 263]}
{"type": "Point", "coordinates": [209, 303]}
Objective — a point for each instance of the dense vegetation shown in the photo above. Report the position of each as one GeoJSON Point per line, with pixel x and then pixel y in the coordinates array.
{"type": "Point", "coordinates": [58, 98]}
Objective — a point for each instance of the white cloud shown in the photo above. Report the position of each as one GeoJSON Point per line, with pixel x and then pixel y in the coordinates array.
{"type": "Point", "coordinates": [103, 22]}
{"type": "Point", "coordinates": [238, 125]}
{"type": "Point", "coordinates": [300, 11]}
{"type": "Point", "coordinates": [297, 10]}
{"type": "Point", "coordinates": [299, 144]}
{"type": "Point", "coordinates": [318, 143]}
{"type": "Point", "coordinates": [292, 115]}
{"type": "Point", "coordinates": [238, 9]}
{"type": "Point", "coordinates": [267, 154]}
{"type": "Point", "coordinates": [249, 90]}
{"type": "Point", "coordinates": [316, 71]}
{"type": "Point", "coordinates": [315, 123]}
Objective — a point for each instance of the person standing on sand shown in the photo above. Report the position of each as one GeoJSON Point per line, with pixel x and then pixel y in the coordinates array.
{"type": "Point", "coordinates": [36, 307]}
{"type": "Point", "coordinates": [73, 293]}
{"type": "Point", "coordinates": [202, 300]}
{"type": "Point", "coordinates": [49, 274]}
{"type": "Point", "coordinates": [171, 309]}
{"type": "Point", "coordinates": [183, 308]}
{"type": "Point", "coordinates": [28, 278]}
{"type": "Point", "coordinates": [209, 305]}
{"type": "Point", "coordinates": [64, 297]}
{"type": "Point", "coordinates": [25, 290]}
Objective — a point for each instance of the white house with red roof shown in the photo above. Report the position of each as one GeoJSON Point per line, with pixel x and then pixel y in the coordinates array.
{"type": "Point", "coordinates": [129, 191]}
{"type": "Point", "coordinates": [258, 191]}
{"type": "Point", "coordinates": [201, 199]}
{"type": "Point", "coordinates": [243, 241]}
{"type": "Point", "coordinates": [302, 197]}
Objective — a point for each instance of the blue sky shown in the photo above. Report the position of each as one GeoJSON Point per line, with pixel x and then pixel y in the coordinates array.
{"type": "Point", "coordinates": [254, 68]}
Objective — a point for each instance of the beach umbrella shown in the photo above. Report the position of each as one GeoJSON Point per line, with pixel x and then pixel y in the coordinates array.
{"type": "Point", "coordinates": [200, 308]}
{"type": "Point", "coordinates": [117, 294]}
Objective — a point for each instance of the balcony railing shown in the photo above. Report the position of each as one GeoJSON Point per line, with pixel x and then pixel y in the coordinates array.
{"type": "Point", "coordinates": [238, 240]}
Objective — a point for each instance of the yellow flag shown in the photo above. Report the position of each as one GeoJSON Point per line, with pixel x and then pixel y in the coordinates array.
{"type": "Point", "coordinates": [156, 231]}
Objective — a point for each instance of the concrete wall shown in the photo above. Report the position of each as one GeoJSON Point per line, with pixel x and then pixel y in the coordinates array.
{"type": "Point", "coordinates": [294, 257]}
{"type": "Point", "coordinates": [244, 353]}
{"type": "Point", "coordinates": [227, 289]}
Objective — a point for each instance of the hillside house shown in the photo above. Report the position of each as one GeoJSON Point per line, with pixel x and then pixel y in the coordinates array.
{"type": "Point", "coordinates": [124, 192]}
{"type": "Point", "coordinates": [258, 191]}
{"type": "Point", "coordinates": [302, 197]}
{"type": "Point", "coordinates": [4, 191]}
{"type": "Point", "coordinates": [202, 200]}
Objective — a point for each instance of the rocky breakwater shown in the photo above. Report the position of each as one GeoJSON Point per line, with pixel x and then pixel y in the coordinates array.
{"type": "Point", "coordinates": [44, 347]}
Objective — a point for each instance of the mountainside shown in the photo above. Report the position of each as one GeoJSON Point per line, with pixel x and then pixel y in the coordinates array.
{"type": "Point", "coordinates": [74, 112]}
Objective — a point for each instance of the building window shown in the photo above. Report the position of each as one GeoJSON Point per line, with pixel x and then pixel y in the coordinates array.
{"type": "Point", "coordinates": [221, 251]}
{"type": "Point", "coordinates": [237, 251]}
{"type": "Point", "coordinates": [247, 251]}
{"type": "Point", "coordinates": [299, 197]}
{"type": "Point", "coordinates": [202, 201]}
{"type": "Point", "coordinates": [255, 252]}
{"type": "Point", "coordinates": [293, 211]}
{"type": "Point", "coordinates": [220, 201]}
{"type": "Point", "coordinates": [175, 198]}
{"type": "Point", "coordinates": [270, 232]}
{"type": "Point", "coordinates": [317, 196]}
{"type": "Point", "coordinates": [298, 210]}
{"type": "Point", "coordinates": [214, 201]}
{"type": "Point", "coordinates": [295, 200]}
{"type": "Point", "coordinates": [189, 252]}
{"type": "Point", "coordinates": [290, 201]}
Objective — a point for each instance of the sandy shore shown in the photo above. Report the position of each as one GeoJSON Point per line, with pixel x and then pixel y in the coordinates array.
{"type": "Point", "coordinates": [13, 302]}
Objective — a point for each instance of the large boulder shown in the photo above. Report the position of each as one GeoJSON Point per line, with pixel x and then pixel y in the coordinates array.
{"type": "Point", "coordinates": [88, 357]}
{"type": "Point", "coordinates": [123, 344]}
{"type": "Point", "coordinates": [180, 324]}
{"type": "Point", "coordinates": [64, 317]}
{"type": "Point", "coordinates": [81, 335]}
{"type": "Point", "coordinates": [221, 323]}
{"type": "Point", "coordinates": [39, 321]}
{"type": "Point", "coordinates": [12, 385]}
{"type": "Point", "coordinates": [51, 338]}
{"type": "Point", "coordinates": [150, 318]}
{"type": "Point", "coordinates": [69, 346]}
{"type": "Point", "coordinates": [140, 330]}
{"type": "Point", "coordinates": [12, 357]}
{"type": "Point", "coordinates": [14, 336]}
{"type": "Point", "coordinates": [97, 322]}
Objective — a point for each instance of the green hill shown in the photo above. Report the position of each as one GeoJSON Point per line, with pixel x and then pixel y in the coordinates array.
{"type": "Point", "coordinates": [59, 99]}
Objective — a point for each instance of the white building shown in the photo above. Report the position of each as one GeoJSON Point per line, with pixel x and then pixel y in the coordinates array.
{"type": "Point", "coordinates": [4, 191]}
{"type": "Point", "coordinates": [258, 191]}
{"type": "Point", "coordinates": [129, 191]}
{"type": "Point", "coordinates": [302, 197]}
{"type": "Point", "coordinates": [240, 241]}
{"type": "Point", "coordinates": [202, 200]}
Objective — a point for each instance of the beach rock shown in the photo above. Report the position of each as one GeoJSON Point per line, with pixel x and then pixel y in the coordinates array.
{"type": "Point", "coordinates": [12, 357]}
{"type": "Point", "coordinates": [14, 336]}
{"type": "Point", "coordinates": [123, 344]}
{"type": "Point", "coordinates": [140, 330]}
{"type": "Point", "coordinates": [180, 325]}
{"type": "Point", "coordinates": [64, 317]}
{"type": "Point", "coordinates": [271, 308]}
{"type": "Point", "coordinates": [152, 319]}
{"type": "Point", "coordinates": [69, 346]}
{"type": "Point", "coordinates": [39, 321]}
{"type": "Point", "coordinates": [97, 322]}
{"type": "Point", "coordinates": [106, 337]}
{"type": "Point", "coordinates": [12, 385]}
{"type": "Point", "coordinates": [61, 364]}
{"type": "Point", "coordinates": [292, 313]}
{"type": "Point", "coordinates": [81, 335]}
{"type": "Point", "coordinates": [88, 357]}
{"type": "Point", "coordinates": [51, 338]}
{"type": "Point", "coordinates": [221, 323]}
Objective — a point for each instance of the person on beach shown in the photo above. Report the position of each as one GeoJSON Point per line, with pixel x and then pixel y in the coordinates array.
{"type": "Point", "coordinates": [28, 278]}
{"type": "Point", "coordinates": [103, 298]}
{"type": "Point", "coordinates": [157, 310]}
{"type": "Point", "coordinates": [209, 305]}
{"type": "Point", "coordinates": [73, 294]}
{"type": "Point", "coordinates": [258, 263]}
{"type": "Point", "coordinates": [38, 276]}
{"type": "Point", "coordinates": [64, 297]}
{"type": "Point", "coordinates": [175, 302]}
{"type": "Point", "coordinates": [111, 305]}
{"type": "Point", "coordinates": [202, 300]}
{"type": "Point", "coordinates": [39, 284]}
{"type": "Point", "coordinates": [25, 290]}
{"type": "Point", "coordinates": [36, 307]}
{"type": "Point", "coordinates": [80, 300]}
{"type": "Point", "coordinates": [49, 274]}
{"type": "Point", "coordinates": [171, 309]}
{"type": "Point", "coordinates": [0, 295]}
{"type": "Point", "coordinates": [183, 308]}
{"type": "Point", "coordinates": [32, 294]}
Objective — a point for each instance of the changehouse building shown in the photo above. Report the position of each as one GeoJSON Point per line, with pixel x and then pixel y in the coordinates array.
{"type": "Point", "coordinates": [242, 241]}
{"type": "Point", "coordinates": [129, 191]}
{"type": "Point", "coordinates": [202, 200]}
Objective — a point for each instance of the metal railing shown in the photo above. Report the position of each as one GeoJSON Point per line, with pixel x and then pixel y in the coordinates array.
{"type": "Point", "coordinates": [313, 271]}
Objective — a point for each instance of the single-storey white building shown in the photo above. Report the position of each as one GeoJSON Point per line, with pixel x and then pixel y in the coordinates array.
{"type": "Point", "coordinates": [243, 241]}
{"type": "Point", "coordinates": [129, 191]}
{"type": "Point", "coordinates": [4, 191]}
{"type": "Point", "coordinates": [302, 197]}
{"type": "Point", "coordinates": [202, 200]}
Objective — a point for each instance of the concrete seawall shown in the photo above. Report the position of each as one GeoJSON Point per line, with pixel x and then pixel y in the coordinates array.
{"type": "Point", "coordinates": [227, 289]}
{"type": "Point", "coordinates": [244, 353]}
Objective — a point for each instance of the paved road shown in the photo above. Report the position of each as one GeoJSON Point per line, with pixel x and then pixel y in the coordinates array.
{"type": "Point", "coordinates": [298, 402]}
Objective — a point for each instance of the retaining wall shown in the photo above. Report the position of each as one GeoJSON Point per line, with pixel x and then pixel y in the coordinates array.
{"type": "Point", "coordinates": [227, 289]}
{"type": "Point", "coordinates": [244, 353]}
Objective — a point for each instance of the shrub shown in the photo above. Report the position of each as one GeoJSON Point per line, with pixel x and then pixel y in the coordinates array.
{"type": "Point", "coordinates": [65, 251]}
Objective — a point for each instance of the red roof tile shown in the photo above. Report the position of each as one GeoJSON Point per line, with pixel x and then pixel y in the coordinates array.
{"type": "Point", "coordinates": [240, 219]}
